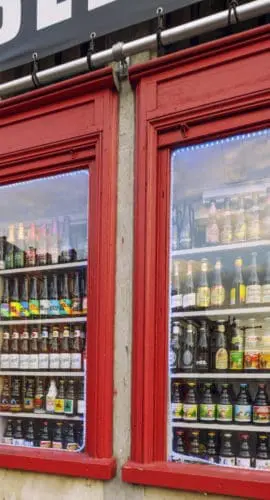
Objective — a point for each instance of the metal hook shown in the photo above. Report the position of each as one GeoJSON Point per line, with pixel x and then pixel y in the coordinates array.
{"type": "Point", "coordinates": [91, 50]}
{"type": "Point", "coordinates": [160, 28]}
{"type": "Point", "coordinates": [35, 69]}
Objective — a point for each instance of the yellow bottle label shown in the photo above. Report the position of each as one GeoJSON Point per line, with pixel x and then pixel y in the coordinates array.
{"type": "Point", "coordinates": [217, 296]}
{"type": "Point", "coordinates": [222, 359]}
{"type": "Point", "coordinates": [203, 296]}
{"type": "Point", "coordinates": [242, 295]}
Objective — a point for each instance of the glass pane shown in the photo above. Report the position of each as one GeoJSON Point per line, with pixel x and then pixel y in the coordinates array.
{"type": "Point", "coordinates": [43, 262]}
{"type": "Point", "coordinates": [219, 325]}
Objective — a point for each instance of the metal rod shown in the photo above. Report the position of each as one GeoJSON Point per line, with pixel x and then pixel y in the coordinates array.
{"type": "Point", "coordinates": [194, 28]}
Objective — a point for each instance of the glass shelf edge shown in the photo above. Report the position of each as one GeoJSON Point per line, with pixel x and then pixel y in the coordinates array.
{"type": "Point", "coordinates": [224, 375]}
{"type": "Point", "coordinates": [220, 248]}
{"type": "Point", "coordinates": [222, 312]}
{"type": "Point", "coordinates": [21, 373]}
{"type": "Point", "coordinates": [222, 427]}
{"type": "Point", "coordinates": [48, 321]}
{"type": "Point", "coordinates": [50, 267]}
{"type": "Point", "coordinates": [43, 416]}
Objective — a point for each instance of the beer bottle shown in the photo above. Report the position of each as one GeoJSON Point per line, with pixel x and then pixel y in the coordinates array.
{"type": "Point", "coordinates": [24, 350]}
{"type": "Point", "coordinates": [80, 400]}
{"type": "Point", "coordinates": [252, 349]}
{"type": "Point", "coordinates": [176, 401]}
{"type": "Point", "coordinates": [29, 438]}
{"type": "Point", "coordinates": [176, 293]}
{"type": "Point", "coordinates": [207, 406]}
{"type": "Point", "coordinates": [212, 228]}
{"type": "Point", "coordinates": [54, 309]}
{"type": "Point", "coordinates": [24, 302]}
{"type": "Point", "coordinates": [262, 460]}
{"type": "Point", "coordinates": [66, 251]}
{"type": "Point", "coordinates": [28, 401]}
{"type": "Point", "coordinates": [33, 350]}
{"type": "Point", "coordinates": [243, 406]}
{"type": "Point", "coordinates": [43, 357]}
{"type": "Point", "coordinates": [2, 249]}
{"type": "Point", "coordinates": [53, 246]}
{"type": "Point", "coordinates": [70, 441]}
{"type": "Point", "coordinates": [84, 296]}
{"type": "Point", "coordinates": [253, 216]}
{"type": "Point", "coordinates": [266, 283]}
{"type": "Point", "coordinates": [264, 346]}
{"type": "Point", "coordinates": [226, 227]}
{"type": "Point", "coordinates": [5, 309]}
{"type": "Point", "coordinates": [189, 295]}
{"type": "Point", "coordinates": [59, 405]}
{"type": "Point", "coordinates": [18, 434]}
{"type": "Point", "coordinates": [211, 454]}
{"type": "Point", "coordinates": [188, 352]}
{"type": "Point", "coordinates": [14, 350]}
{"type": "Point", "coordinates": [51, 397]}
{"type": "Point", "coordinates": [203, 290]}
{"type": "Point", "coordinates": [44, 303]}
{"type": "Point", "coordinates": [253, 292]}
{"type": "Point", "coordinates": [227, 456]}
{"type": "Point", "coordinates": [31, 247]}
{"type": "Point", "coordinates": [44, 438]}
{"type": "Point", "coordinates": [243, 458]}
{"type": "Point", "coordinates": [238, 290]}
{"type": "Point", "coordinates": [202, 353]}
{"type": "Point", "coordinates": [175, 347]}
{"type": "Point", "coordinates": [5, 350]}
{"type": "Point", "coordinates": [54, 355]}
{"type": "Point", "coordinates": [240, 226]}
{"type": "Point", "coordinates": [5, 395]}
{"type": "Point", "coordinates": [8, 434]}
{"type": "Point", "coordinates": [76, 306]}
{"type": "Point", "coordinates": [69, 408]}
{"type": "Point", "coordinates": [217, 290]}
{"type": "Point", "coordinates": [225, 406]}
{"type": "Point", "coordinates": [19, 249]}
{"type": "Point", "coordinates": [76, 350]}
{"type": "Point", "coordinates": [185, 234]}
{"type": "Point", "coordinates": [219, 348]}
{"type": "Point", "coordinates": [65, 358]}
{"type": "Point", "coordinates": [175, 231]}
{"type": "Point", "coordinates": [15, 306]}
{"type": "Point", "coordinates": [190, 406]}
{"type": "Point", "coordinates": [236, 346]}
{"type": "Point", "coordinates": [261, 409]}
{"type": "Point", "coordinates": [195, 444]}
{"type": "Point", "coordinates": [33, 300]}
{"type": "Point", "coordinates": [179, 443]}
{"type": "Point", "coordinates": [16, 395]}
{"type": "Point", "coordinates": [39, 400]}
{"type": "Point", "coordinates": [65, 301]}
{"type": "Point", "coordinates": [10, 245]}
{"type": "Point", "coordinates": [42, 257]}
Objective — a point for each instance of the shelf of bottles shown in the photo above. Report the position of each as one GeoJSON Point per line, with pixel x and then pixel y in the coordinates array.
{"type": "Point", "coordinates": [43, 311]}
{"type": "Point", "coordinates": [219, 321]}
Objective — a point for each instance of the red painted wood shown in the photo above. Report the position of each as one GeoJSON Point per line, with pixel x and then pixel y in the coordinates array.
{"type": "Point", "coordinates": [192, 96]}
{"type": "Point", "coordinates": [73, 125]}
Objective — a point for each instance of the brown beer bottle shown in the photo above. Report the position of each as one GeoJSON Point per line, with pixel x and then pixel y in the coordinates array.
{"type": "Point", "coordinates": [76, 350]}
{"type": "Point", "coordinates": [33, 350]}
{"type": "Point", "coordinates": [57, 441]}
{"type": "Point", "coordinates": [16, 395]}
{"type": "Point", "coordinates": [8, 434]}
{"type": "Point", "coordinates": [70, 441]}
{"type": "Point", "coordinates": [39, 400]}
{"type": "Point", "coordinates": [24, 350]}
{"type": "Point", "coordinates": [44, 303]}
{"type": "Point", "coordinates": [54, 355]}
{"type": "Point", "coordinates": [5, 396]}
{"type": "Point", "coordinates": [59, 405]}
{"type": "Point", "coordinates": [15, 306]}
{"type": "Point", "coordinates": [10, 245]}
{"type": "Point", "coordinates": [5, 302]}
{"type": "Point", "coordinates": [31, 247]}
{"type": "Point", "coordinates": [44, 439]}
{"type": "Point", "coordinates": [33, 300]}
{"type": "Point", "coordinates": [65, 349]}
{"type": "Point", "coordinates": [5, 350]}
{"type": "Point", "coordinates": [28, 401]}
{"type": "Point", "coordinates": [14, 350]}
{"type": "Point", "coordinates": [69, 406]}
{"type": "Point", "coordinates": [43, 357]}
{"type": "Point", "coordinates": [24, 302]}
{"type": "Point", "coordinates": [76, 306]}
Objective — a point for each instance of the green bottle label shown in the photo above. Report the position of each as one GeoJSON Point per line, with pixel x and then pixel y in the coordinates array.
{"type": "Point", "coordinates": [208, 412]}
{"type": "Point", "coordinates": [224, 413]}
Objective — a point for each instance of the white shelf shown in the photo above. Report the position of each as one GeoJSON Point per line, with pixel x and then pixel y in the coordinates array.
{"type": "Point", "coordinates": [45, 321]}
{"type": "Point", "coordinates": [20, 373]}
{"type": "Point", "coordinates": [50, 267]}
{"type": "Point", "coordinates": [222, 427]}
{"type": "Point", "coordinates": [230, 375]}
{"type": "Point", "coordinates": [43, 416]}
{"type": "Point", "coordinates": [221, 248]}
{"type": "Point", "coordinates": [220, 313]}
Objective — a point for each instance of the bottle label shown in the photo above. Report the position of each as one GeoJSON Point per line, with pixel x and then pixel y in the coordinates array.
{"type": "Point", "coordinates": [76, 306]}
{"type": "Point", "coordinates": [243, 462]}
{"type": "Point", "coordinates": [39, 403]}
{"type": "Point", "coordinates": [201, 364]}
{"type": "Point", "coordinates": [5, 364]}
{"type": "Point", "coordinates": [4, 405]}
{"type": "Point", "coordinates": [242, 413]}
{"type": "Point", "coordinates": [15, 406]}
{"type": "Point", "coordinates": [7, 440]}
{"type": "Point", "coordinates": [59, 405]}
{"type": "Point", "coordinates": [72, 446]}
{"type": "Point", "coordinates": [253, 294]}
{"type": "Point", "coordinates": [45, 444]}
{"type": "Point", "coordinates": [262, 464]}
{"type": "Point", "coordinates": [44, 307]}
{"type": "Point", "coordinates": [69, 406]}
{"type": "Point", "coordinates": [28, 444]}
{"type": "Point", "coordinates": [4, 310]}
{"type": "Point", "coordinates": [34, 307]}
{"type": "Point", "coordinates": [65, 361]}
{"type": "Point", "coordinates": [57, 445]}
{"type": "Point", "coordinates": [261, 414]}
{"type": "Point", "coordinates": [242, 295]}
{"type": "Point", "coordinates": [81, 407]}
{"type": "Point", "coordinates": [236, 360]}
{"type": "Point", "coordinates": [18, 442]}
{"type": "Point", "coordinates": [224, 413]}
{"type": "Point", "coordinates": [19, 259]}
{"type": "Point", "coordinates": [25, 313]}
{"type": "Point", "coordinates": [24, 361]}
{"type": "Point", "coordinates": [203, 296]}
{"type": "Point", "coordinates": [266, 294]}
{"type": "Point", "coordinates": [189, 300]}
{"type": "Point", "coordinates": [208, 412]}
{"type": "Point", "coordinates": [15, 309]}
{"type": "Point", "coordinates": [30, 257]}
{"type": "Point", "coordinates": [14, 361]}
{"type": "Point", "coordinates": [229, 461]}
{"type": "Point", "coordinates": [50, 404]}
{"type": "Point", "coordinates": [190, 412]}
{"type": "Point", "coordinates": [54, 308]}
{"type": "Point", "coordinates": [43, 361]}
{"type": "Point", "coordinates": [76, 361]}
{"type": "Point", "coordinates": [177, 410]}
{"type": "Point", "coordinates": [65, 307]}
{"type": "Point", "coordinates": [33, 362]}
{"type": "Point", "coordinates": [217, 296]}
{"type": "Point", "coordinates": [265, 360]}
{"type": "Point", "coordinates": [251, 360]}
{"type": "Point", "coordinates": [54, 360]}
{"type": "Point", "coordinates": [187, 358]}
{"type": "Point", "coordinates": [221, 359]}
{"type": "Point", "coordinates": [28, 404]}
{"type": "Point", "coordinates": [176, 301]}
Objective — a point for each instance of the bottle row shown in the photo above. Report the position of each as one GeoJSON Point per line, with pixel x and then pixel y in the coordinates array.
{"type": "Point", "coordinates": [57, 435]}
{"type": "Point", "coordinates": [62, 295]}
{"type": "Point", "coordinates": [54, 349]}
{"type": "Point", "coordinates": [214, 290]}
{"type": "Point", "coordinates": [224, 448]}
{"type": "Point", "coordinates": [206, 403]}
{"type": "Point", "coordinates": [42, 395]}
{"type": "Point", "coordinates": [38, 245]}
{"type": "Point", "coordinates": [234, 220]}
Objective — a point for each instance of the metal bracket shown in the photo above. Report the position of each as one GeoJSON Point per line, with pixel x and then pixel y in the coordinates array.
{"type": "Point", "coordinates": [160, 28]}
{"type": "Point", "coordinates": [121, 72]}
{"type": "Point", "coordinates": [34, 70]}
{"type": "Point", "coordinates": [91, 51]}
{"type": "Point", "coordinates": [232, 4]}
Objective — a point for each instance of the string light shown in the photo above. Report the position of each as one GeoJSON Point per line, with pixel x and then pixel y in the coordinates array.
{"type": "Point", "coordinates": [42, 179]}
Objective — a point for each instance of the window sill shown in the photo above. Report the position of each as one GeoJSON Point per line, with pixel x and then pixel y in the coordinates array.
{"type": "Point", "coordinates": [200, 478]}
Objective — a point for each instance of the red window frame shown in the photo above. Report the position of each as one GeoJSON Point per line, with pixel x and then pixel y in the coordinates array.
{"type": "Point", "coordinates": [200, 94]}
{"type": "Point", "coordinates": [68, 126]}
